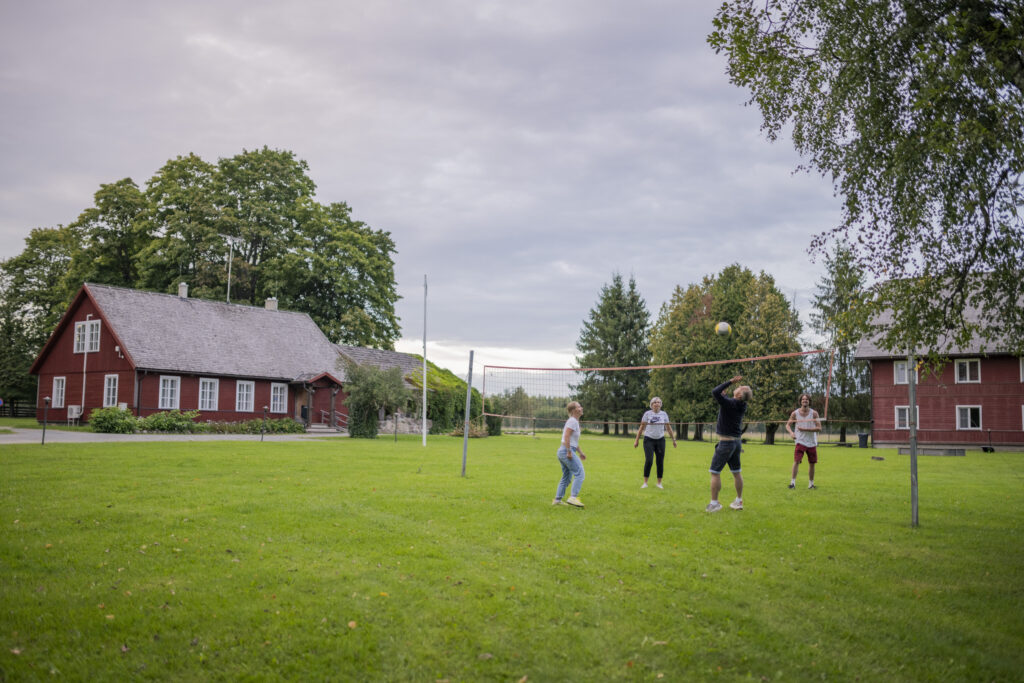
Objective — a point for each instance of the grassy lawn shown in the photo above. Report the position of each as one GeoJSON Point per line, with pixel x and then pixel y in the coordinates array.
{"type": "Point", "coordinates": [375, 560]}
{"type": "Point", "coordinates": [9, 423]}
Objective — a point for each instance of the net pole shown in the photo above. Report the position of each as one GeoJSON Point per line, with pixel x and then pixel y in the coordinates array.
{"type": "Point", "coordinates": [465, 424]}
{"type": "Point", "coordinates": [828, 382]}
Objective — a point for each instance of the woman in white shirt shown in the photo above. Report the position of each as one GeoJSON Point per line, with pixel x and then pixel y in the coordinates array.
{"type": "Point", "coordinates": [571, 458]}
{"type": "Point", "coordinates": [653, 425]}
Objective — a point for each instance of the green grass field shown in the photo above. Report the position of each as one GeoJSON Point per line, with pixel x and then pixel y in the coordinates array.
{"type": "Point", "coordinates": [375, 560]}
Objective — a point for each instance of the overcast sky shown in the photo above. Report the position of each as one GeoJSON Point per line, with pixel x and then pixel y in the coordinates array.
{"type": "Point", "coordinates": [518, 152]}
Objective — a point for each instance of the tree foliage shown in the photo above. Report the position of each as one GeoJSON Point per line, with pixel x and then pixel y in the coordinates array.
{"type": "Point", "coordinates": [371, 390]}
{"type": "Point", "coordinates": [314, 258]}
{"type": "Point", "coordinates": [763, 324]}
{"type": "Point", "coordinates": [849, 388]}
{"type": "Point", "coordinates": [614, 336]}
{"type": "Point", "coordinates": [446, 398]}
{"type": "Point", "coordinates": [915, 110]}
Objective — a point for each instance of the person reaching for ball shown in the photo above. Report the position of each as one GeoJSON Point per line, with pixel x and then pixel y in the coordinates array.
{"type": "Point", "coordinates": [729, 430]}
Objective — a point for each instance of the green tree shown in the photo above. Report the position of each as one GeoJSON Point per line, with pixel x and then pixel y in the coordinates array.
{"type": "Point", "coordinates": [341, 272]}
{"type": "Point", "coordinates": [614, 336]}
{"type": "Point", "coordinates": [834, 302]}
{"type": "Point", "coordinates": [113, 233]}
{"type": "Point", "coordinates": [261, 195]}
{"type": "Point", "coordinates": [186, 222]}
{"type": "Point", "coordinates": [372, 390]}
{"type": "Point", "coordinates": [35, 285]}
{"type": "Point", "coordinates": [915, 110]}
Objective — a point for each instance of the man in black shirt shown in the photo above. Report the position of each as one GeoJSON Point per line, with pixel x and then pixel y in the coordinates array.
{"type": "Point", "coordinates": [727, 451]}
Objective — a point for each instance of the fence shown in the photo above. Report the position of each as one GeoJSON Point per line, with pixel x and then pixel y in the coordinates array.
{"type": "Point", "coordinates": [17, 409]}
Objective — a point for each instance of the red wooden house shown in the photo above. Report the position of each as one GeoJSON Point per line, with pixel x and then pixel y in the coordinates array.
{"type": "Point", "coordinates": [976, 400]}
{"type": "Point", "coordinates": [150, 352]}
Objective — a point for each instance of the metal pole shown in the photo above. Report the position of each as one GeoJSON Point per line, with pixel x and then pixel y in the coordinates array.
{"type": "Point", "coordinates": [912, 424]}
{"type": "Point", "coordinates": [231, 257]}
{"type": "Point", "coordinates": [424, 404]}
{"type": "Point", "coordinates": [465, 424]}
{"type": "Point", "coordinates": [263, 427]}
{"type": "Point", "coordinates": [46, 408]}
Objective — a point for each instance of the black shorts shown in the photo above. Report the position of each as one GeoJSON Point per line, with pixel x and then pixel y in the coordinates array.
{"type": "Point", "coordinates": [726, 453]}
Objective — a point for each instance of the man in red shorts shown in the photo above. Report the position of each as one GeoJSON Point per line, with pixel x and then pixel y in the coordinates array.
{"type": "Point", "coordinates": [807, 424]}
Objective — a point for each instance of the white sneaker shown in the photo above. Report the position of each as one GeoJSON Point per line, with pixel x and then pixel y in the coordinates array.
{"type": "Point", "coordinates": [713, 506]}
{"type": "Point", "coordinates": [643, 485]}
{"type": "Point", "coordinates": [736, 504]}
{"type": "Point", "coordinates": [659, 486]}
{"type": "Point", "coordinates": [573, 500]}
{"type": "Point", "coordinates": [556, 501]}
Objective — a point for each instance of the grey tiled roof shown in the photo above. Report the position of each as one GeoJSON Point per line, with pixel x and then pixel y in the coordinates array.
{"type": "Point", "coordinates": [869, 348]}
{"type": "Point", "coordinates": [408, 363]}
{"type": "Point", "coordinates": [165, 332]}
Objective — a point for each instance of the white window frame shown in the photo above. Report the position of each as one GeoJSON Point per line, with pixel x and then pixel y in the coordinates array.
{"type": "Point", "coordinates": [57, 395]}
{"type": "Point", "coordinates": [1022, 368]}
{"type": "Point", "coordinates": [170, 392]}
{"type": "Point", "coordinates": [278, 397]}
{"type": "Point", "coordinates": [87, 336]}
{"type": "Point", "coordinates": [896, 364]}
{"type": "Point", "coordinates": [245, 392]}
{"type": "Point", "coordinates": [906, 409]}
{"type": "Point", "coordinates": [210, 399]}
{"type": "Point", "coordinates": [968, 363]}
{"type": "Point", "coordinates": [960, 427]}
{"type": "Point", "coordinates": [109, 391]}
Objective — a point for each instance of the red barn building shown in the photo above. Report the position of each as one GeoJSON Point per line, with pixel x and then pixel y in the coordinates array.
{"type": "Point", "coordinates": [150, 352]}
{"type": "Point", "coordinates": [976, 399]}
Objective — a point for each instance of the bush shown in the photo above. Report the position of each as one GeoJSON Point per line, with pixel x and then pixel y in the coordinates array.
{"type": "Point", "coordinates": [112, 421]}
{"type": "Point", "coordinates": [172, 421]}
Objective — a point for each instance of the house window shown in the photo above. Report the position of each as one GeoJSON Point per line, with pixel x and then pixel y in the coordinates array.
{"type": "Point", "coordinates": [208, 389]}
{"type": "Point", "coordinates": [58, 392]}
{"type": "Point", "coordinates": [968, 417]}
{"type": "Point", "coordinates": [968, 371]}
{"type": "Point", "coordinates": [903, 416]}
{"type": "Point", "coordinates": [899, 372]}
{"type": "Point", "coordinates": [243, 396]}
{"type": "Point", "coordinates": [278, 398]}
{"type": "Point", "coordinates": [87, 336]}
{"type": "Point", "coordinates": [169, 392]}
{"type": "Point", "coordinates": [109, 391]}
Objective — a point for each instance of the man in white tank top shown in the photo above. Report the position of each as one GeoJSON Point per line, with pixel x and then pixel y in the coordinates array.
{"type": "Point", "coordinates": [803, 425]}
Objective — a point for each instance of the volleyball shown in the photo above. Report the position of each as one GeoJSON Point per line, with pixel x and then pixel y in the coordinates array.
{"type": "Point", "coordinates": [723, 329]}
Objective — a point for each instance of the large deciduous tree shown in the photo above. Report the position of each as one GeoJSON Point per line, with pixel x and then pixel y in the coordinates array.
{"type": "Point", "coordinates": [314, 258]}
{"type": "Point", "coordinates": [915, 110]}
{"type": "Point", "coordinates": [615, 336]}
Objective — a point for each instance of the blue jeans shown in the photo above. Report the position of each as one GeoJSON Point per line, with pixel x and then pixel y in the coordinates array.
{"type": "Point", "coordinates": [572, 471]}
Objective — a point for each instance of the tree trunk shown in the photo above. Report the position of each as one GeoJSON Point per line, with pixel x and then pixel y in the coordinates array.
{"type": "Point", "coordinates": [842, 433]}
{"type": "Point", "coordinates": [683, 431]}
{"type": "Point", "coordinates": [769, 433]}
{"type": "Point", "coordinates": [606, 428]}
{"type": "Point", "coordinates": [698, 432]}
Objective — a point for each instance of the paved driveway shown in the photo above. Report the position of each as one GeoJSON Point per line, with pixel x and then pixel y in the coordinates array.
{"type": "Point", "coordinates": [60, 436]}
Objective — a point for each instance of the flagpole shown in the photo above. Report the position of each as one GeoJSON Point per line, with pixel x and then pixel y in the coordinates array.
{"type": "Point", "coordinates": [424, 404]}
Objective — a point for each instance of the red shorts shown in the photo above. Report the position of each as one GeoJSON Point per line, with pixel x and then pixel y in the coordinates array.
{"type": "Point", "coordinates": [811, 451]}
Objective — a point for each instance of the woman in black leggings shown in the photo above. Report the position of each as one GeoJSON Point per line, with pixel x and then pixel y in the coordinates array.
{"type": "Point", "coordinates": [653, 425]}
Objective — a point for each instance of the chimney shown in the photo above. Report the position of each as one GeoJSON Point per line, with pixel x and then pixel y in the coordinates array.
{"type": "Point", "coordinates": [183, 290]}
{"type": "Point", "coordinates": [271, 303]}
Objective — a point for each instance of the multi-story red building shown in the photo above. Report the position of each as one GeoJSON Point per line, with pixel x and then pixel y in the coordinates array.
{"type": "Point", "coordinates": [976, 399]}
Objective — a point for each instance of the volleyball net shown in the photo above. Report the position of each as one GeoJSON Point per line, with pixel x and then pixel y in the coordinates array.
{"type": "Point", "coordinates": [532, 399]}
